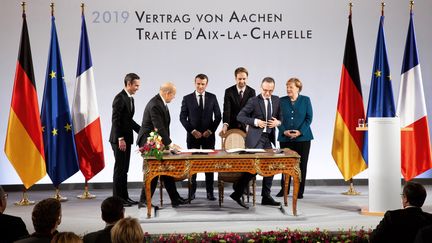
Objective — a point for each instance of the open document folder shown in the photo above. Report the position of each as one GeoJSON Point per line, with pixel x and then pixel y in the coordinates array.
{"type": "Point", "coordinates": [199, 151]}
{"type": "Point", "coordinates": [243, 150]}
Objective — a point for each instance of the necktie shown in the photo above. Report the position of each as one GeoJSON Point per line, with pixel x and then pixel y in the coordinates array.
{"type": "Point", "coordinates": [241, 95]}
{"type": "Point", "coordinates": [268, 113]}
{"type": "Point", "coordinates": [200, 103]}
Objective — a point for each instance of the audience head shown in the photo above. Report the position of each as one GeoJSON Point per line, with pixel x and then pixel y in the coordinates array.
{"type": "Point", "coordinates": [168, 91]}
{"type": "Point", "coordinates": [241, 75]}
{"type": "Point", "coordinates": [413, 194]}
{"type": "Point", "coordinates": [132, 82]}
{"type": "Point", "coordinates": [127, 230]}
{"type": "Point", "coordinates": [46, 216]}
{"type": "Point", "coordinates": [3, 200]}
{"type": "Point", "coordinates": [66, 237]}
{"type": "Point", "coordinates": [112, 209]}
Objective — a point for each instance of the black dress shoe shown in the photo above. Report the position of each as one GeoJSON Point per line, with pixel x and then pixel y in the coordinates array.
{"type": "Point", "coordinates": [269, 201]}
{"type": "Point", "coordinates": [210, 196]}
{"type": "Point", "coordinates": [181, 200]}
{"type": "Point", "coordinates": [126, 204]}
{"type": "Point", "coordinates": [130, 201]}
{"type": "Point", "coordinates": [239, 201]}
{"type": "Point", "coordinates": [144, 205]}
{"type": "Point", "coordinates": [280, 193]}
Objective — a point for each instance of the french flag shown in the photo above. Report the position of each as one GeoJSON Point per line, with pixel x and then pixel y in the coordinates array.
{"type": "Point", "coordinates": [85, 114]}
{"type": "Point", "coordinates": [411, 109]}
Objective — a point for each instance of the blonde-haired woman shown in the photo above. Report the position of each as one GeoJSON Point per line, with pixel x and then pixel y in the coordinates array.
{"type": "Point", "coordinates": [295, 132]}
{"type": "Point", "coordinates": [127, 230]}
{"type": "Point", "coordinates": [66, 237]}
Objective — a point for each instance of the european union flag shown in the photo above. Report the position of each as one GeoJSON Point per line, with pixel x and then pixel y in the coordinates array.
{"type": "Point", "coordinates": [381, 102]}
{"type": "Point", "coordinates": [60, 152]}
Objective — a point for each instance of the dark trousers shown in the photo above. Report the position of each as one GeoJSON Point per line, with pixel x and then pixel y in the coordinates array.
{"type": "Point", "coordinates": [121, 168]}
{"type": "Point", "coordinates": [209, 176]}
{"type": "Point", "coordinates": [169, 184]}
{"type": "Point", "coordinates": [242, 184]}
{"type": "Point", "coordinates": [302, 148]}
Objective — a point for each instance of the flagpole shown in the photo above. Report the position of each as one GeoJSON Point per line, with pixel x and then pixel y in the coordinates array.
{"type": "Point", "coordinates": [411, 6]}
{"type": "Point", "coordinates": [382, 8]}
{"type": "Point", "coordinates": [24, 200]}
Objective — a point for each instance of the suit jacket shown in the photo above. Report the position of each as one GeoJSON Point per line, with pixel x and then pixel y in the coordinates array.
{"type": "Point", "coordinates": [400, 225]}
{"type": "Point", "coordinates": [297, 116]}
{"type": "Point", "coordinates": [123, 124]}
{"type": "Point", "coordinates": [193, 119]}
{"type": "Point", "coordinates": [255, 109]}
{"type": "Point", "coordinates": [156, 115]}
{"type": "Point", "coordinates": [11, 228]}
{"type": "Point", "coordinates": [101, 236]}
{"type": "Point", "coordinates": [424, 235]}
{"type": "Point", "coordinates": [232, 106]}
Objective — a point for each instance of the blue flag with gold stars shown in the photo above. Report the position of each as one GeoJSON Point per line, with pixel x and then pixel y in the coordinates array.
{"type": "Point", "coordinates": [381, 102]}
{"type": "Point", "coordinates": [60, 152]}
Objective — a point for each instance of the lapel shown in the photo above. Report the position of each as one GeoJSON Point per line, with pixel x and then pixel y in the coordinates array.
{"type": "Point", "coordinates": [127, 101]}
{"type": "Point", "coordinates": [262, 105]}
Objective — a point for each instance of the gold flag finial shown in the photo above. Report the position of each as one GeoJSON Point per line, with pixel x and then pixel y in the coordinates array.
{"type": "Point", "coordinates": [382, 8]}
{"type": "Point", "coordinates": [52, 8]}
{"type": "Point", "coordinates": [350, 8]}
{"type": "Point", "coordinates": [23, 4]}
{"type": "Point", "coordinates": [411, 6]}
{"type": "Point", "coordinates": [82, 8]}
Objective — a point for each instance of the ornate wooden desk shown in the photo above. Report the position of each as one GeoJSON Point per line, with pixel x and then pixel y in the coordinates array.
{"type": "Point", "coordinates": [264, 164]}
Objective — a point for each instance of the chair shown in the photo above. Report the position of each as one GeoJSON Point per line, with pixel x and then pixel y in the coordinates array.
{"type": "Point", "coordinates": [233, 138]}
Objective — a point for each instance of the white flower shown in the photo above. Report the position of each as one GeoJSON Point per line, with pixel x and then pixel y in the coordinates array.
{"type": "Point", "coordinates": [152, 134]}
{"type": "Point", "coordinates": [158, 146]}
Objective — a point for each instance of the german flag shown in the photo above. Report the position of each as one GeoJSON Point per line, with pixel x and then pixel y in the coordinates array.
{"type": "Point", "coordinates": [347, 142]}
{"type": "Point", "coordinates": [24, 144]}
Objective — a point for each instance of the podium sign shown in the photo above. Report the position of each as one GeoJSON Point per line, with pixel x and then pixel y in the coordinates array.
{"type": "Point", "coordinates": [384, 164]}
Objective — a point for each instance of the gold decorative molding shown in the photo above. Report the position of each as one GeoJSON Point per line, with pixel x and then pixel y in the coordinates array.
{"type": "Point", "coordinates": [276, 166]}
{"type": "Point", "coordinates": [223, 166]}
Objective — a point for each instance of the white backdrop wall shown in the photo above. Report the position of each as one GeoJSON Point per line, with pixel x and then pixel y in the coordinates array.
{"type": "Point", "coordinates": [117, 49]}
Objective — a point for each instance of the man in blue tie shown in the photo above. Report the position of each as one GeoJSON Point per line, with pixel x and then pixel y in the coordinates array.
{"type": "Point", "coordinates": [262, 115]}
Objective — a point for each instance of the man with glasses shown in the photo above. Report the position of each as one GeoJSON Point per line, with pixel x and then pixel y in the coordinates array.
{"type": "Point", "coordinates": [262, 115]}
{"type": "Point", "coordinates": [11, 228]}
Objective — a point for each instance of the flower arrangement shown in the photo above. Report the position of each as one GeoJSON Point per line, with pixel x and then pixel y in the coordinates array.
{"type": "Point", "coordinates": [154, 146]}
{"type": "Point", "coordinates": [282, 235]}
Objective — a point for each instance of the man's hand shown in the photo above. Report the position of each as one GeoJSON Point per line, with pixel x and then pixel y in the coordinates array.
{"type": "Point", "coordinates": [261, 123]}
{"type": "Point", "coordinates": [272, 123]}
{"type": "Point", "coordinates": [196, 134]}
{"type": "Point", "coordinates": [174, 148]}
{"type": "Point", "coordinates": [224, 128]}
{"type": "Point", "coordinates": [207, 133]}
{"type": "Point", "coordinates": [122, 145]}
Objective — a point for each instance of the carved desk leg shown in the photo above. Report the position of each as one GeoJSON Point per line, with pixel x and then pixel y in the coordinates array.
{"type": "Point", "coordinates": [285, 187]}
{"type": "Point", "coordinates": [296, 179]}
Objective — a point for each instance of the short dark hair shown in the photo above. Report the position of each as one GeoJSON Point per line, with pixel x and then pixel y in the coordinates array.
{"type": "Point", "coordinates": [268, 80]}
{"type": "Point", "coordinates": [45, 215]}
{"type": "Point", "coordinates": [112, 209]}
{"type": "Point", "coordinates": [241, 70]}
{"type": "Point", "coordinates": [415, 193]}
{"type": "Point", "coordinates": [202, 76]}
{"type": "Point", "coordinates": [130, 77]}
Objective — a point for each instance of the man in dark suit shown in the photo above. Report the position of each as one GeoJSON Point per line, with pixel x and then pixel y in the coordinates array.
{"type": "Point", "coordinates": [402, 225]}
{"type": "Point", "coordinates": [200, 115]}
{"type": "Point", "coordinates": [156, 116]}
{"type": "Point", "coordinates": [11, 228]}
{"type": "Point", "coordinates": [262, 115]}
{"type": "Point", "coordinates": [112, 211]}
{"type": "Point", "coordinates": [235, 99]}
{"type": "Point", "coordinates": [121, 137]}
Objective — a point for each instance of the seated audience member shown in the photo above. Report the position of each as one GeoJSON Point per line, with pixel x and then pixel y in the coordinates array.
{"type": "Point", "coordinates": [46, 217]}
{"type": "Point", "coordinates": [66, 237]}
{"type": "Point", "coordinates": [424, 235]}
{"type": "Point", "coordinates": [402, 225]}
{"type": "Point", "coordinates": [11, 228]}
{"type": "Point", "coordinates": [127, 230]}
{"type": "Point", "coordinates": [112, 210]}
